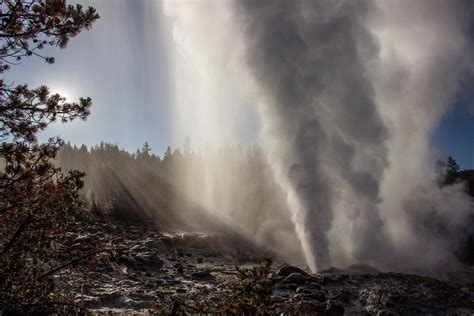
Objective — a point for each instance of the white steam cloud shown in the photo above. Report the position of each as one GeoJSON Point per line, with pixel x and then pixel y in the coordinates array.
{"type": "Point", "coordinates": [348, 94]}
{"type": "Point", "coordinates": [210, 101]}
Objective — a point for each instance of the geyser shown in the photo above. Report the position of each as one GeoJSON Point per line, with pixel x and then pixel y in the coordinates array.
{"type": "Point", "coordinates": [325, 134]}
{"type": "Point", "coordinates": [348, 93]}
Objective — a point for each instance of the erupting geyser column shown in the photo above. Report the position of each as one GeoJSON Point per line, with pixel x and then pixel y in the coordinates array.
{"type": "Point", "coordinates": [321, 125]}
{"type": "Point", "coordinates": [349, 93]}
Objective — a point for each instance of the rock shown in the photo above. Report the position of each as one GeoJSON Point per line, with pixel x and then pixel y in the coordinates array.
{"type": "Point", "coordinates": [88, 301]}
{"type": "Point", "coordinates": [168, 241]}
{"type": "Point", "coordinates": [309, 294]}
{"type": "Point", "coordinates": [109, 298]}
{"type": "Point", "coordinates": [151, 243]}
{"type": "Point", "coordinates": [274, 278]}
{"type": "Point", "coordinates": [202, 275]}
{"type": "Point", "coordinates": [143, 258]}
{"type": "Point", "coordinates": [200, 260]}
{"type": "Point", "coordinates": [137, 248]}
{"type": "Point", "coordinates": [128, 261]}
{"type": "Point", "coordinates": [297, 278]}
{"type": "Point", "coordinates": [313, 284]}
{"type": "Point", "coordinates": [303, 290]}
{"type": "Point", "coordinates": [309, 307]}
{"type": "Point", "coordinates": [107, 269]}
{"type": "Point", "coordinates": [298, 296]}
{"type": "Point", "coordinates": [118, 241]}
{"type": "Point", "coordinates": [205, 291]}
{"type": "Point", "coordinates": [277, 299]}
{"type": "Point", "coordinates": [343, 296]}
{"type": "Point", "coordinates": [83, 238]}
{"type": "Point", "coordinates": [179, 268]}
{"type": "Point", "coordinates": [317, 295]}
{"type": "Point", "coordinates": [287, 270]}
{"type": "Point", "coordinates": [180, 290]}
{"type": "Point", "coordinates": [334, 310]}
{"type": "Point", "coordinates": [386, 312]}
{"type": "Point", "coordinates": [286, 286]}
{"type": "Point", "coordinates": [149, 260]}
{"type": "Point", "coordinates": [332, 279]}
{"type": "Point", "coordinates": [156, 263]}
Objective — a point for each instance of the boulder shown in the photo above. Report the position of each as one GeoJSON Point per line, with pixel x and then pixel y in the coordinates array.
{"type": "Point", "coordinates": [297, 278]}
{"type": "Point", "coordinates": [287, 270]}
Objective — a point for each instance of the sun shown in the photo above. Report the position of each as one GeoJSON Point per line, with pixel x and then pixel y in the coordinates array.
{"type": "Point", "coordinates": [64, 91]}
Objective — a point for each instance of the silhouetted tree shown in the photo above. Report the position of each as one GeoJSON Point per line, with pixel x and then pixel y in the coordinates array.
{"type": "Point", "coordinates": [452, 171]}
{"type": "Point", "coordinates": [144, 153]}
{"type": "Point", "coordinates": [37, 201]}
{"type": "Point", "coordinates": [168, 154]}
{"type": "Point", "coordinates": [146, 149]}
{"type": "Point", "coordinates": [452, 165]}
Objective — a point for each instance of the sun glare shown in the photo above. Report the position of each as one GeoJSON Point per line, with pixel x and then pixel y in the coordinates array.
{"type": "Point", "coordinates": [64, 91]}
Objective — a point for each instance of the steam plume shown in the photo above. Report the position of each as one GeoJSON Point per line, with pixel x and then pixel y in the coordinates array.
{"type": "Point", "coordinates": [351, 91]}
{"type": "Point", "coordinates": [348, 94]}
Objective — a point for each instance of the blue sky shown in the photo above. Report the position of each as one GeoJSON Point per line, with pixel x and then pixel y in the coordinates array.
{"type": "Point", "coordinates": [455, 135]}
{"type": "Point", "coordinates": [122, 63]}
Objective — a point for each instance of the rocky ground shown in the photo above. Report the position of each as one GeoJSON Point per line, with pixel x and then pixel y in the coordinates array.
{"type": "Point", "coordinates": [155, 269]}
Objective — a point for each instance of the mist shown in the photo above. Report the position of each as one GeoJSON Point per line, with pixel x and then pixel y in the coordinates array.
{"type": "Point", "coordinates": [347, 95]}
{"type": "Point", "coordinates": [214, 104]}
{"type": "Point", "coordinates": [226, 189]}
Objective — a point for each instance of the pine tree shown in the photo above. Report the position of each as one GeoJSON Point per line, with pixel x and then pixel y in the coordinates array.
{"type": "Point", "coordinates": [452, 165]}
{"type": "Point", "coordinates": [146, 150]}
{"type": "Point", "coordinates": [452, 171]}
{"type": "Point", "coordinates": [37, 200]}
{"type": "Point", "coordinates": [167, 156]}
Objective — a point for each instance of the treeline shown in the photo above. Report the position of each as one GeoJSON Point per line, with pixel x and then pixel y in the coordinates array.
{"type": "Point", "coordinates": [186, 188]}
